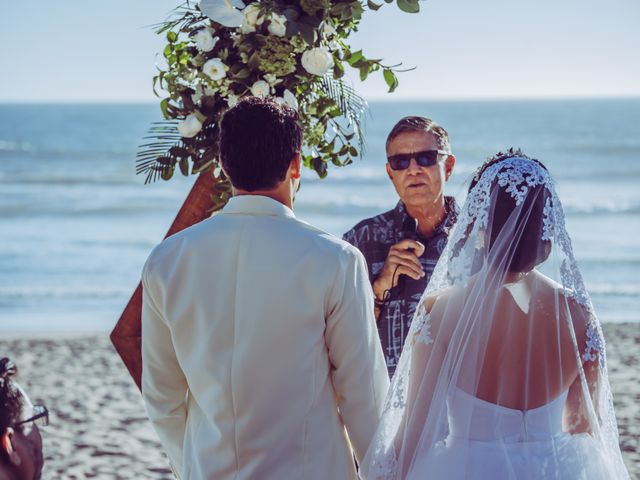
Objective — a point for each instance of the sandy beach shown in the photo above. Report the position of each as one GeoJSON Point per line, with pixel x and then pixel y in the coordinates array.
{"type": "Point", "coordinates": [99, 428]}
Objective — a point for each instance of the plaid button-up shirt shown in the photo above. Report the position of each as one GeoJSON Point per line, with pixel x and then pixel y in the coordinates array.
{"type": "Point", "coordinates": [374, 237]}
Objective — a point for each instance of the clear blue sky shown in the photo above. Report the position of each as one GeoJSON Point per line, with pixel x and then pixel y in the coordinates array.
{"type": "Point", "coordinates": [103, 51]}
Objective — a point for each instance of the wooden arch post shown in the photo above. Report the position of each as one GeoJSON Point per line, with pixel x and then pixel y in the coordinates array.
{"type": "Point", "coordinates": [127, 334]}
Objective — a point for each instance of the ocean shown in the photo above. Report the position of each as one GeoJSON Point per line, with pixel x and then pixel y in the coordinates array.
{"type": "Point", "coordinates": [76, 223]}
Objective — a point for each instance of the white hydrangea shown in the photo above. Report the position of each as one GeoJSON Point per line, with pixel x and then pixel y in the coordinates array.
{"type": "Point", "coordinates": [197, 96]}
{"type": "Point", "coordinates": [250, 18]}
{"type": "Point", "coordinates": [271, 79]}
{"type": "Point", "coordinates": [277, 25]}
{"type": "Point", "coordinates": [232, 100]}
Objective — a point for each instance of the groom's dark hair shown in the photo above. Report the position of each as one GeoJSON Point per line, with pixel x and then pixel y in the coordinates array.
{"type": "Point", "coordinates": [258, 139]}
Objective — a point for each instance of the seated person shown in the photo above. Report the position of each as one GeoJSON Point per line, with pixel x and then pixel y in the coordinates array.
{"type": "Point", "coordinates": [20, 442]}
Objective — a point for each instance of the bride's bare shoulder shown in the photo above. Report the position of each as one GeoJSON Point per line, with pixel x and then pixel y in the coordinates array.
{"type": "Point", "coordinates": [580, 315]}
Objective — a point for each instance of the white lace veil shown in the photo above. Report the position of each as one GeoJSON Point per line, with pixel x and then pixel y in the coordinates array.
{"type": "Point", "coordinates": [503, 374]}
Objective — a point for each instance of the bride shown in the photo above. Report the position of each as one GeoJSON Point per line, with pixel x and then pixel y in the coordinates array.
{"type": "Point", "coordinates": [503, 374]}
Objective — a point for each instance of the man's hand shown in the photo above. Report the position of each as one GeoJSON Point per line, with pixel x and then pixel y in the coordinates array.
{"type": "Point", "coordinates": [403, 259]}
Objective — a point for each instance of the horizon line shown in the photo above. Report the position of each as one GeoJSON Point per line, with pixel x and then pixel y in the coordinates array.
{"type": "Point", "coordinates": [375, 99]}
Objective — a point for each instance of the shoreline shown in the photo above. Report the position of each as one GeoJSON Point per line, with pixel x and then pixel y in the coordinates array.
{"type": "Point", "coordinates": [99, 429]}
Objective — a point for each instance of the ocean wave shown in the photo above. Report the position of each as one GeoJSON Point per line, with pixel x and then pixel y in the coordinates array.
{"type": "Point", "coordinates": [583, 208]}
{"type": "Point", "coordinates": [40, 211]}
{"type": "Point", "coordinates": [10, 146]}
{"type": "Point", "coordinates": [614, 289]}
{"type": "Point", "coordinates": [71, 181]}
{"type": "Point", "coordinates": [352, 207]}
{"type": "Point", "coordinates": [63, 292]}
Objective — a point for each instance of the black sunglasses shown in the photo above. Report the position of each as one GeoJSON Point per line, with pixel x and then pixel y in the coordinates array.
{"type": "Point", "coordinates": [425, 158]}
{"type": "Point", "coordinates": [40, 416]}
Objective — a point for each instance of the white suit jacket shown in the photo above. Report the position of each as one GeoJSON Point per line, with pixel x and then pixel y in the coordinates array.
{"type": "Point", "coordinates": [259, 347]}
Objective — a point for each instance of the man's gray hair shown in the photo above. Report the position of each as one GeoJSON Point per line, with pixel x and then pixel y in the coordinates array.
{"type": "Point", "coordinates": [420, 124]}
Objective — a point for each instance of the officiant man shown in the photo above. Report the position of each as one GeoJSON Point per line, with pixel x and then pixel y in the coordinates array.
{"type": "Point", "coordinates": [403, 245]}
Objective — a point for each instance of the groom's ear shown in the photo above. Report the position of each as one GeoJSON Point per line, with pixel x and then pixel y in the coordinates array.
{"type": "Point", "coordinates": [296, 166]}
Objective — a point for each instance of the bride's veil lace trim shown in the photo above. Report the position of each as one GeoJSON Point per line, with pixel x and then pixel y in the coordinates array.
{"type": "Point", "coordinates": [518, 176]}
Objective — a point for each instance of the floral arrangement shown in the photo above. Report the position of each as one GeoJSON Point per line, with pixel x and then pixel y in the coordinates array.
{"type": "Point", "coordinates": [294, 50]}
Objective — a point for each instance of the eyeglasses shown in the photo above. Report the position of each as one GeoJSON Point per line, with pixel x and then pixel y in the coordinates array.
{"type": "Point", "coordinates": [425, 158]}
{"type": "Point", "coordinates": [40, 416]}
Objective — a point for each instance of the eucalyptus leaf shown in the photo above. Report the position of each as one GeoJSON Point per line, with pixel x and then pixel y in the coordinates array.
{"type": "Point", "coordinates": [184, 166]}
{"type": "Point", "coordinates": [164, 104]}
{"type": "Point", "coordinates": [167, 172]}
{"type": "Point", "coordinates": [354, 57]}
{"type": "Point", "coordinates": [391, 79]}
{"type": "Point", "coordinates": [308, 33]}
{"type": "Point", "coordinates": [243, 74]}
{"type": "Point", "coordinates": [409, 6]}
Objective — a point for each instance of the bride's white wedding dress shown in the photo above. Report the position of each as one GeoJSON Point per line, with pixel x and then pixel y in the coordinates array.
{"type": "Point", "coordinates": [488, 441]}
{"type": "Point", "coordinates": [503, 375]}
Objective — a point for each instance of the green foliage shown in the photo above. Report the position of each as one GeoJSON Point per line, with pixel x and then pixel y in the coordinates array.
{"type": "Point", "coordinates": [209, 66]}
{"type": "Point", "coordinates": [409, 6]}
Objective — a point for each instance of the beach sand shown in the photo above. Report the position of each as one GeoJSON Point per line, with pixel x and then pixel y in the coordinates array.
{"type": "Point", "coordinates": [99, 428]}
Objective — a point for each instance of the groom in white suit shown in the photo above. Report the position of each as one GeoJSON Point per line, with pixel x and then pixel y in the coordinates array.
{"type": "Point", "coordinates": [259, 342]}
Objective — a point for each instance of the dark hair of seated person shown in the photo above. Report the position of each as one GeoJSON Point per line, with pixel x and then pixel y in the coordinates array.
{"type": "Point", "coordinates": [20, 444]}
{"type": "Point", "coordinates": [10, 397]}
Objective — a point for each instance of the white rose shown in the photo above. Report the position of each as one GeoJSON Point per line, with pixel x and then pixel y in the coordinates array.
{"type": "Point", "coordinates": [204, 40]}
{"type": "Point", "coordinates": [232, 100]}
{"type": "Point", "coordinates": [290, 99]}
{"type": "Point", "coordinates": [214, 69]}
{"type": "Point", "coordinates": [271, 79]}
{"type": "Point", "coordinates": [260, 89]}
{"type": "Point", "coordinates": [278, 25]}
{"type": "Point", "coordinates": [317, 61]}
{"type": "Point", "coordinates": [250, 18]}
{"type": "Point", "coordinates": [190, 126]}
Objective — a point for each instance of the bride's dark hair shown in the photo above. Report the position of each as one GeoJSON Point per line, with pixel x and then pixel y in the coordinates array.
{"type": "Point", "coordinates": [530, 250]}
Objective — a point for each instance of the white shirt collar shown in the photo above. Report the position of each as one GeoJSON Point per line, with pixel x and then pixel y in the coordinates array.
{"type": "Point", "coordinates": [256, 205]}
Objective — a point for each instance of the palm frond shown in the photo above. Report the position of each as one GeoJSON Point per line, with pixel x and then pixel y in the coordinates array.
{"type": "Point", "coordinates": [166, 148]}
{"type": "Point", "coordinates": [351, 105]}
{"type": "Point", "coordinates": [154, 158]}
{"type": "Point", "coordinates": [182, 18]}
